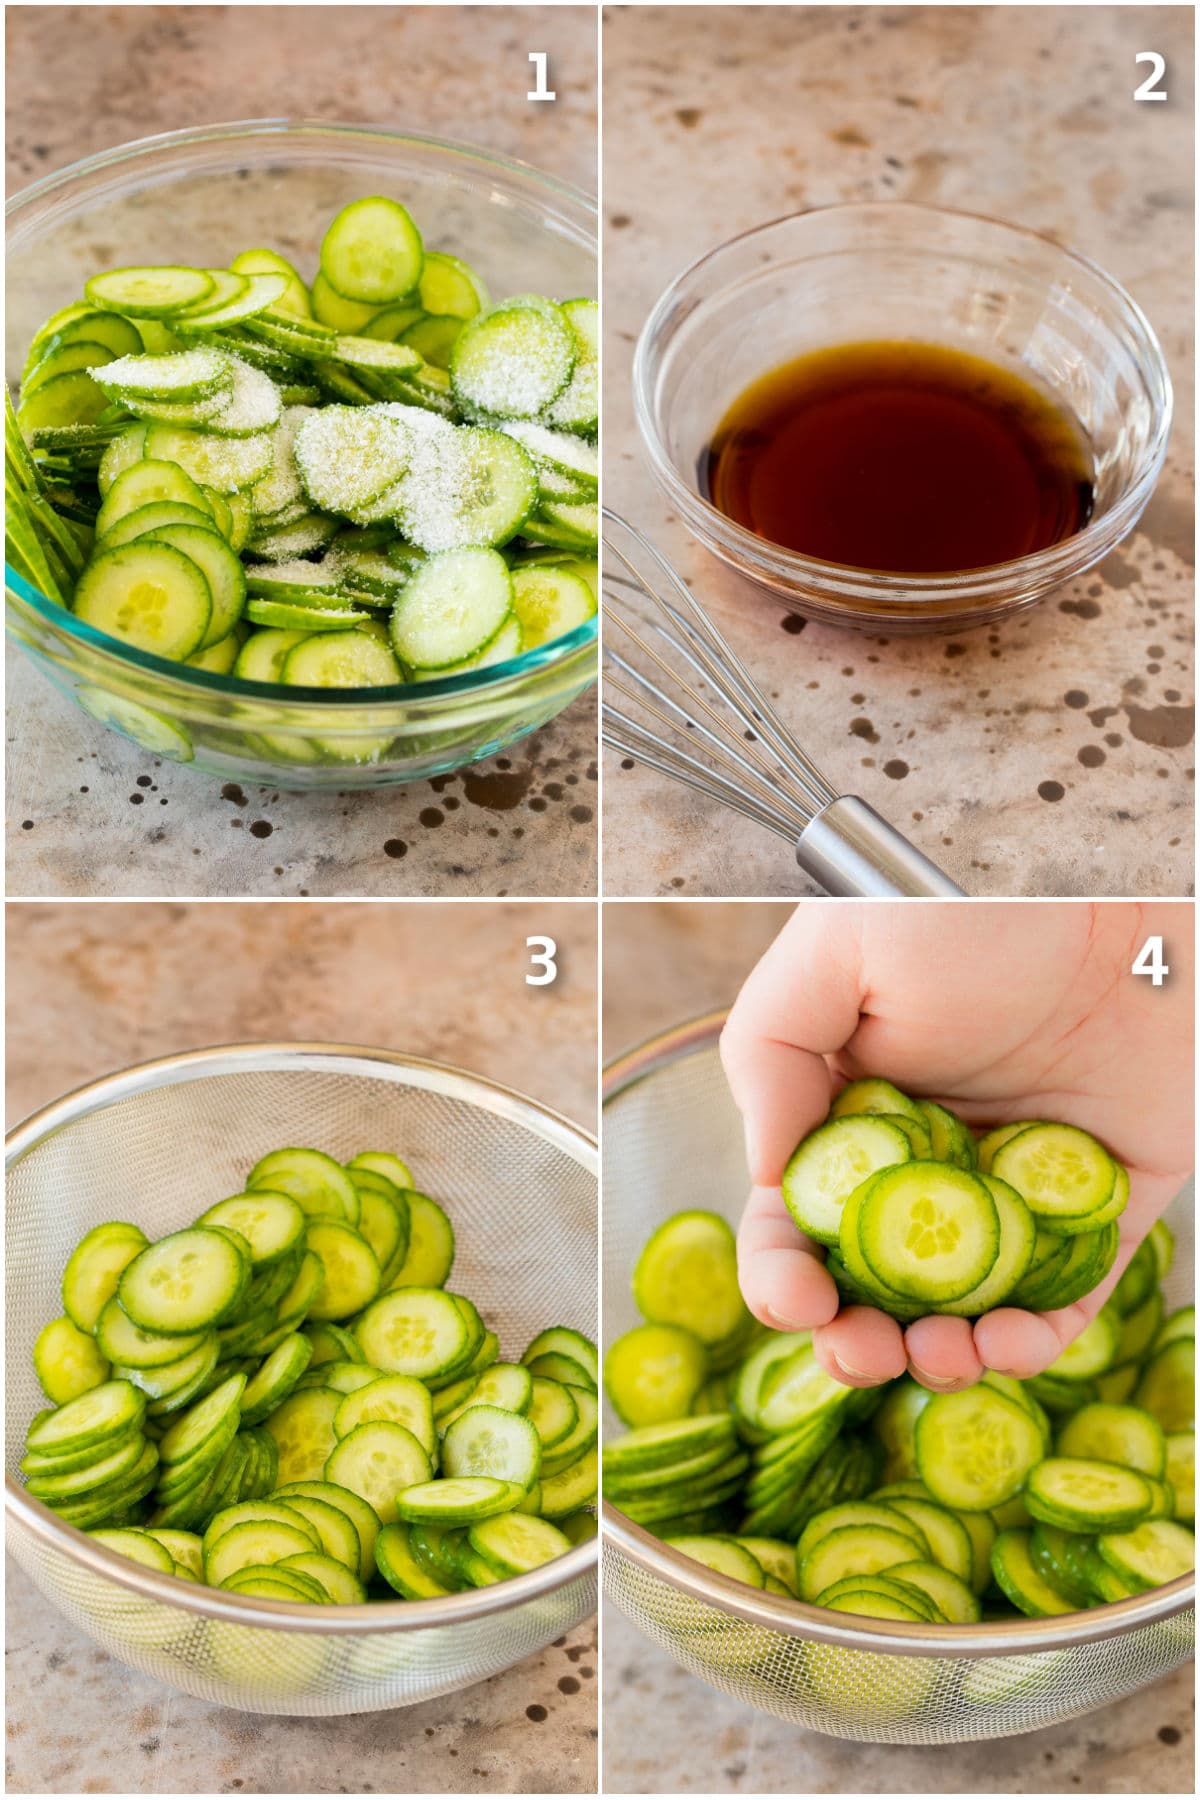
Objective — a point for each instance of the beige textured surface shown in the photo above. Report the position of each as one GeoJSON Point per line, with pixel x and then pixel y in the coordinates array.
{"type": "Point", "coordinates": [93, 987]}
{"type": "Point", "coordinates": [666, 1732]}
{"type": "Point", "coordinates": [90, 813]}
{"type": "Point", "coordinates": [719, 119]}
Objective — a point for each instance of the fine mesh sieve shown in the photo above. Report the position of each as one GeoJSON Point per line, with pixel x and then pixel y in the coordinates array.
{"type": "Point", "coordinates": [160, 1142]}
{"type": "Point", "coordinates": [673, 1139]}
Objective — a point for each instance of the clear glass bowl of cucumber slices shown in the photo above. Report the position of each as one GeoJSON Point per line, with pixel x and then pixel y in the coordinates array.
{"type": "Point", "coordinates": [291, 531]}
{"type": "Point", "coordinates": [936, 1622]}
{"type": "Point", "coordinates": [302, 1407]}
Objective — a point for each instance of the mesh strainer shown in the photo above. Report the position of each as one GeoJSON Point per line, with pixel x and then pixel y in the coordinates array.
{"type": "Point", "coordinates": [160, 1142]}
{"type": "Point", "coordinates": [672, 1138]}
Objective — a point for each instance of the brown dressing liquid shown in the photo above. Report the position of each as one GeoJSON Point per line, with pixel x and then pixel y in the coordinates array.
{"type": "Point", "coordinates": [900, 458]}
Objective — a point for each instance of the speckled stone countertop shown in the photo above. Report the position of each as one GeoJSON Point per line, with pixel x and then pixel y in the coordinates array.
{"type": "Point", "coordinates": [92, 988]}
{"type": "Point", "coordinates": [90, 813]}
{"type": "Point", "coordinates": [666, 1732]}
{"type": "Point", "coordinates": [1049, 755]}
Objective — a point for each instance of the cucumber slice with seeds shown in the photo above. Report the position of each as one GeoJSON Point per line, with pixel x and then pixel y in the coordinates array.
{"type": "Point", "coordinates": [221, 570]}
{"type": "Point", "coordinates": [928, 1231]}
{"type": "Point", "coordinates": [831, 1162]}
{"type": "Point", "coordinates": [414, 1331]}
{"type": "Point", "coordinates": [378, 1461]}
{"type": "Point", "coordinates": [654, 1372]}
{"type": "Point", "coordinates": [303, 1432]}
{"type": "Point", "coordinates": [397, 1399]}
{"type": "Point", "coordinates": [513, 361]}
{"type": "Point", "coordinates": [372, 252]}
{"type": "Point", "coordinates": [184, 1281]}
{"type": "Point", "coordinates": [975, 1449]}
{"type": "Point", "coordinates": [151, 293]}
{"type": "Point", "coordinates": [67, 1362]}
{"type": "Point", "coordinates": [351, 1271]}
{"type": "Point", "coordinates": [100, 1414]}
{"type": "Point", "coordinates": [1083, 1495]}
{"type": "Point", "coordinates": [487, 1440]}
{"type": "Point", "coordinates": [314, 1181]}
{"type": "Point", "coordinates": [687, 1275]}
{"type": "Point", "coordinates": [1061, 1173]}
{"type": "Point", "coordinates": [94, 1269]}
{"type": "Point", "coordinates": [1125, 1435]}
{"type": "Point", "coordinates": [451, 608]}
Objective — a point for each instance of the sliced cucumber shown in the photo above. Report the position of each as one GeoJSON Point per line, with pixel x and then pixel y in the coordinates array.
{"type": "Point", "coordinates": [975, 1449]}
{"type": "Point", "coordinates": [372, 252]}
{"type": "Point", "coordinates": [928, 1231]}
{"type": "Point", "coordinates": [831, 1162]}
{"type": "Point", "coordinates": [451, 608]}
{"type": "Point", "coordinates": [1083, 1495]}
{"type": "Point", "coordinates": [185, 1281]}
{"type": "Point", "coordinates": [1061, 1173]}
{"type": "Point", "coordinates": [687, 1275]}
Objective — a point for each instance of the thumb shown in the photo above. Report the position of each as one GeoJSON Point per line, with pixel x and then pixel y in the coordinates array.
{"type": "Point", "coordinates": [781, 1092]}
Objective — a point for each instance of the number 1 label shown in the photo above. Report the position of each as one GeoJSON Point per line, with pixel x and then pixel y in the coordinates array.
{"type": "Point", "coordinates": [540, 91]}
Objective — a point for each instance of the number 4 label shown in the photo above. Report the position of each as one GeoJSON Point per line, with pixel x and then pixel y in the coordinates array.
{"type": "Point", "coordinates": [1149, 961]}
{"type": "Point", "coordinates": [543, 952]}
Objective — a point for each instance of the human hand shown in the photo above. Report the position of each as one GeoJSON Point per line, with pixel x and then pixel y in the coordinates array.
{"type": "Point", "coordinates": [1000, 1011]}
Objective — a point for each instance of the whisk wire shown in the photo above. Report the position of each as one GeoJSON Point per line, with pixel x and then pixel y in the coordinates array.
{"type": "Point", "coordinates": [772, 777]}
{"type": "Point", "coordinates": [727, 664]}
{"type": "Point", "coordinates": [764, 778]}
{"type": "Point", "coordinates": [687, 770]}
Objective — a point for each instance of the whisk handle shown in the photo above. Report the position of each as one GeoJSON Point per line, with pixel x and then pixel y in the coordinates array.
{"type": "Point", "coordinates": [848, 849]}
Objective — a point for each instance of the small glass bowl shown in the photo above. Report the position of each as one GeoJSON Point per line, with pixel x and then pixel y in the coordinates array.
{"type": "Point", "coordinates": [201, 196]}
{"type": "Point", "coordinates": [846, 274]}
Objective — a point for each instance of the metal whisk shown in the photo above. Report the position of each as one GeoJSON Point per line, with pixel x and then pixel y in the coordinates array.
{"type": "Point", "coordinates": [722, 737]}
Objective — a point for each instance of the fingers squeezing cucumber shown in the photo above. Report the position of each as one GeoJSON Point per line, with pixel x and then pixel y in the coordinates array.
{"type": "Point", "coordinates": [918, 1218]}
{"type": "Point", "coordinates": [285, 1399]}
{"type": "Point", "coordinates": [1044, 1496]}
{"type": "Point", "coordinates": [331, 443]}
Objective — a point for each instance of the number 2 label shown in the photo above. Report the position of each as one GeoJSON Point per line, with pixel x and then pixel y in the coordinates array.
{"type": "Point", "coordinates": [1149, 961]}
{"type": "Point", "coordinates": [1150, 90]}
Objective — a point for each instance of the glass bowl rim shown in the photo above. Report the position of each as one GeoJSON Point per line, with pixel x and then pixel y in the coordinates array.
{"type": "Point", "coordinates": [1056, 562]}
{"type": "Point", "coordinates": [470, 684]}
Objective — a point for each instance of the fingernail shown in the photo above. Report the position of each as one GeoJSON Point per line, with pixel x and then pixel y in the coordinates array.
{"type": "Point", "coordinates": [941, 1385]}
{"type": "Point", "coordinates": [782, 1324]}
{"type": "Point", "coordinates": [854, 1374]}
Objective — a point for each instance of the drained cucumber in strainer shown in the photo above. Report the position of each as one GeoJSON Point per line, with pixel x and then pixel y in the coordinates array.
{"type": "Point", "coordinates": [332, 441]}
{"type": "Point", "coordinates": [892, 1502]}
{"type": "Point", "coordinates": [248, 1401]}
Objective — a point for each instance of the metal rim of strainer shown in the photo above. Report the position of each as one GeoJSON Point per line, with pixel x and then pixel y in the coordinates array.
{"type": "Point", "coordinates": [795, 1618]}
{"type": "Point", "coordinates": [188, 1596]}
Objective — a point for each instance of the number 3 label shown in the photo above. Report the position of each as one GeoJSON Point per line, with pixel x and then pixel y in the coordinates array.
{"type": "Point", "coordinates": [1149, 89]}
{"type": "Point", "coordinates": [543, 952]}
{"type": "Point", "coordinates": [1149, 961]}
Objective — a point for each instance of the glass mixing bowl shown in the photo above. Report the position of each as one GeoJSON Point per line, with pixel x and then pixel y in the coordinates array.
{"type": "Point", "coordinates": [846, 274]}
{"type": "Point", "coordinates": [201, 196]}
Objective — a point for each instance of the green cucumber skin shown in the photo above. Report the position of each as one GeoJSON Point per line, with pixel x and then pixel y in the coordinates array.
{"type": "Point", "coordinates": [196, 1444]}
